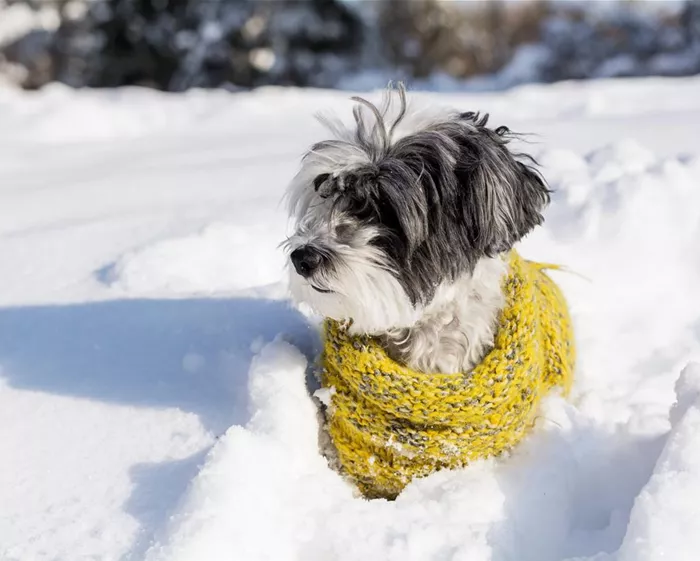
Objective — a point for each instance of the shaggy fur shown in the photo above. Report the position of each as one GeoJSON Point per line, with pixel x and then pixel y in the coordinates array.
{"type": "Point", "coordinates": [401, 221]}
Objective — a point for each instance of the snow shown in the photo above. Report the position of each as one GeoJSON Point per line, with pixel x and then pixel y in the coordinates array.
{"type": "Point", "coordinates": [193, 264]}
{"type": "Point", "coordinates": [665, 517]}
{"type": "Point", "coordinates": [154, 380]}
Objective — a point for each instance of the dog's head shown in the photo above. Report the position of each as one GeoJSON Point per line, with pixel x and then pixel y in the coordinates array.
{"type": "Point", "coordinates": [385, 215]}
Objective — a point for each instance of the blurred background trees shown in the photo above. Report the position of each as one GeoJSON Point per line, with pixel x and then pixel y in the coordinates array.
{"type": "Point", "coordinates": [460, 39]}
{"type": "Point", "coordinates": [174, 45]}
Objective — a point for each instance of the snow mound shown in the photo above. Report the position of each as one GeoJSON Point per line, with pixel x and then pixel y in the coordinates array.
{"type": "Point", "coordinates": [223, 258]}
{"type": "Point", "coordinates": [666, 516]}
{"type": "Point", "coordinates": [227, 514]}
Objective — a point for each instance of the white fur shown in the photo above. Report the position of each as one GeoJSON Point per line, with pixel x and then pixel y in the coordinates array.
{"type": "Point", "coordinates": [362, 289]}
{"type": "Point", "coordinates": [451, 334]}
{"type": "Point", "coordinates": [457, 328]}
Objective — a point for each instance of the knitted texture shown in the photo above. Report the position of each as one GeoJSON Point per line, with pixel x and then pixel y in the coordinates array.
{"type": "Point", "coordinates": [390, 423]}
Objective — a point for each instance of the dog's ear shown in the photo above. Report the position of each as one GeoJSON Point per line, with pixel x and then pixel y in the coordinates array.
{"type": "Point", "coordinates": [502, 197]}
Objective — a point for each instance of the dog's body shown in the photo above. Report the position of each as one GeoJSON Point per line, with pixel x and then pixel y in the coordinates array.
{"type": "Point", "coordinates": [402, 225]}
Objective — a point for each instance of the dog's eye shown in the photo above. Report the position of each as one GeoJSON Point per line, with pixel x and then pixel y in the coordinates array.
{"type": "Point", "coordinates": [343, 231]}
{"type": "Point", "coordinates": [320, 180]}
{"type": "Point", "coordinates": [349, 182]}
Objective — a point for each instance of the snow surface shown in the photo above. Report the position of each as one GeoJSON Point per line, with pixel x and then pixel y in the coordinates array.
{"type": "Point", "coordinates": [153, 378]}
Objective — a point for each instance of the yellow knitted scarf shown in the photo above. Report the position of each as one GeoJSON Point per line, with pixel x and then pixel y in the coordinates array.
{"type": "Point", "coordinates": [390, 423]}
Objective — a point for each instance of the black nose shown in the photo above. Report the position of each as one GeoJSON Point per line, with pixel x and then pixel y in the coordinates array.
{"type": "Point", "coordinates": [306, 260]}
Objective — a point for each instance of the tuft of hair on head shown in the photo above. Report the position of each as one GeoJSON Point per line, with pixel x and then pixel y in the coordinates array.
{"type": "Point", "coordinates": [373, 128]}
{"type": "Point", "coordinates": [361, 145]}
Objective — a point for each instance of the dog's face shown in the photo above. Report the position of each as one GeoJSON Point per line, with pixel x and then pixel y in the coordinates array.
{"type": "Point", "coordinates": [383, 220]}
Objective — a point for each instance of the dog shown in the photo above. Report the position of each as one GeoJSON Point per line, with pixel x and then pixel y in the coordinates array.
{"type": "Point", "coordinates": [402, 224]}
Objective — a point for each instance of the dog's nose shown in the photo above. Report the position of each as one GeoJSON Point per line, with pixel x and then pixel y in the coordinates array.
{"type": "Point", "coordinates": [306, 260]}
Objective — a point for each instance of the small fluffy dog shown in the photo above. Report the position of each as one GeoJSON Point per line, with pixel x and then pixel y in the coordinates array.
{"type": "Point", "coordinates": [401, 223]}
